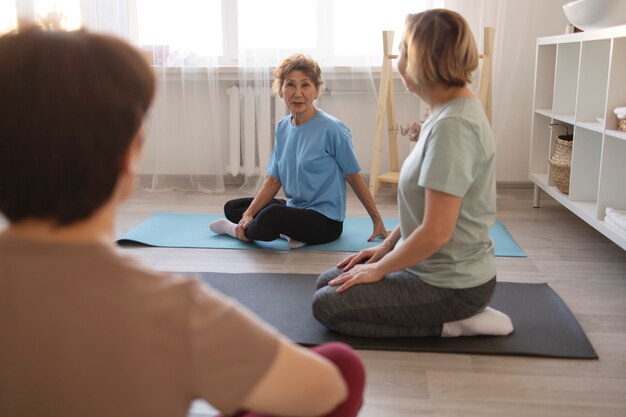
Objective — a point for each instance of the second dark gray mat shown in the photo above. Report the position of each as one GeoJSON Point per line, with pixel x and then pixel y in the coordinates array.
{"type": "Point", "coordinates": [544, 325]}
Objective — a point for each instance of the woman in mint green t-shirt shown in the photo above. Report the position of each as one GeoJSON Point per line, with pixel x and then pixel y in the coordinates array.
{"type": "Point", "coordinates": [435, 274]}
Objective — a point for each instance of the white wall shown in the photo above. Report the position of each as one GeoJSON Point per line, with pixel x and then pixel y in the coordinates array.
{"type": "Point", "coordinates": [518, 25]}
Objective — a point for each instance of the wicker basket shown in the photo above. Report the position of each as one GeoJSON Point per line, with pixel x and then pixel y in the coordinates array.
{"type": "Point", "coordinates": [621, 124]}
{"type": "Point", "coordinates": [561, 163]}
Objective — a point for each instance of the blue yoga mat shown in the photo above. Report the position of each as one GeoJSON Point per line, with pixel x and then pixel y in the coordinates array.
{"type": "Point", "coordinates": [184, 230]}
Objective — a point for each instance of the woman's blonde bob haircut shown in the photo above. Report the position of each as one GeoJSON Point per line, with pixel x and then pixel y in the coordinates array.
{"type": "Point", "coordinates": [298, 62]}
{"type": "Point", "coordinates": [440, 49]}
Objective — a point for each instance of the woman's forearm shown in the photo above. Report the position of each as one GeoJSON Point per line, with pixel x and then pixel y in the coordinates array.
{"type": "Point", "coordinates": [391, 240]}
{"type": "Point", "coordinates": [364, 196]}
{"type": "Point", "coordinates": [266, 193]}
{"type": "Point", "coordinates": [416, 248]}
{"type": "Point", "coordinates": [436, 229]}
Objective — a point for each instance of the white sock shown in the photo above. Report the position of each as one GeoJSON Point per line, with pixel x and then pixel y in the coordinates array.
{"type": "Point", "coordinates": [223, 227]}
{"type": "Point", "coordinates": [294, 244]}
{"type": "Point", "coordinates": [488, 322]}
{"type": "Point", "coordinates": [291, 243]}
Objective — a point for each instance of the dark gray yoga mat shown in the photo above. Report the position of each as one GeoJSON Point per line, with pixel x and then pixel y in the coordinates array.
{"type": "Point", "coordinates": [544, 325]}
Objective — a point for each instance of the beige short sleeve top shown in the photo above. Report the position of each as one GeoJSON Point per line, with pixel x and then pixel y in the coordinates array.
{"type": "Point", "coordinates": [87, 331]}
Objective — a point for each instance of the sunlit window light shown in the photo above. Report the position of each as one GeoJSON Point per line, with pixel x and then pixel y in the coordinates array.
{"type": "Point", "coordinates": [361, 33]}
{"type": "Point", "coordinates": [58, 14]}
{"type": "Point", "coordinates": [8, 16]}
{"type": "Point", "coordinates": [277, 24]}
{"type": "Point", "coordinates": [181, 32]}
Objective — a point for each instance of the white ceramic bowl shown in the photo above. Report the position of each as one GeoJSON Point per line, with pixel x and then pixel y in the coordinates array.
{"type": "Point", "coordinates": [595, 14]}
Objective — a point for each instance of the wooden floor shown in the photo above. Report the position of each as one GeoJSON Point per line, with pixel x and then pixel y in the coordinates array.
{"type": "Point", "coordinates": [587, 270]}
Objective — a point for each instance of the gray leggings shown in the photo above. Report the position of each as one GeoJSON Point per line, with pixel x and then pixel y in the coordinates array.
{"type": "Point", "coordinates": [400, 305]}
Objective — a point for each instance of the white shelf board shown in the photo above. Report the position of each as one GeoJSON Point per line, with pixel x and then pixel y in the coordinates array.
{"type": "Point", "coordinates": [586, 210]}
{"type": "Point", "coordinates": [616, 134]}
{"type": "Point", "coordinates": [612, 32]}
{"type": "Point", "coordinates": [544, 112]}
{"type": "Point", "coordinates": [567, 118]}
{"type": "Point", "coordinates": [596, 127]}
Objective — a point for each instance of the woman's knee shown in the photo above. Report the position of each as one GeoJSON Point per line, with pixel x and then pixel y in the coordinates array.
{"type": "Point", "coordinates": [325, 306]}
{"type": "Point", "coordinates": [233, 209]}
{"type": "Point", "coordinates": [269, 217]}
{"type": "Point", "coordinates": [326, 303]}
{"type": "Point", "coordinates": [326, 277]}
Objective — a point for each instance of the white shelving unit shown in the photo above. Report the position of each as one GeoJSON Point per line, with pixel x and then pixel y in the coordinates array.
{"type": "Point", "coordinates": [579, 78]}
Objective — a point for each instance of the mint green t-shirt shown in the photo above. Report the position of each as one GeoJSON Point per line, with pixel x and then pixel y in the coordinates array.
{"type": "Point", "coordinates": [454, 154]}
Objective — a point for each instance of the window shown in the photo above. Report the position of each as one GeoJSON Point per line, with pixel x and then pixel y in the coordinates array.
{"type": "Point", "coordinates": [358, 26]}
{"type": "Point", "coordinates": [8, 17]}
{"type": "Point", "coordinates": [58, 13]}
{"type": "Point", "coordinates": [195, 32]}
{"type": "Point", "coordinates": [277, 24]}
{"type": "Point", "coordinates": [181, 32]}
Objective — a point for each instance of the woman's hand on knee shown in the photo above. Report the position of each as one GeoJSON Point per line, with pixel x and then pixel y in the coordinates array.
{"type": "Point", "coordinates": [366, 256]}
{"type": "Point", "coordinates": [360, 274]}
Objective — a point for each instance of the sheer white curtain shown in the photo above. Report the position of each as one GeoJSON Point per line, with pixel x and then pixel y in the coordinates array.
{"type": "Point", "coordinates": [185, 143]}
{"type": "Point", "coordinates": [213, 58]}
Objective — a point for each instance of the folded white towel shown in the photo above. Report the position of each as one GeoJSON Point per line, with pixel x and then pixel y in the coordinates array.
{"type": "Point", "coordinates": [617, 217]}
{"type": "Point", "coordinates": [620, 112]}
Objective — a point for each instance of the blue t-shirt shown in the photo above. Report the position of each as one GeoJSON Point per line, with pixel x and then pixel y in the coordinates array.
{"type": "Point", "coordinates": [311, 161]}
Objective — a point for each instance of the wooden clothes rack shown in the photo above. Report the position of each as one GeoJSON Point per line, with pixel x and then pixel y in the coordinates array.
{"type": "Point", "coordinates": [387, 109]}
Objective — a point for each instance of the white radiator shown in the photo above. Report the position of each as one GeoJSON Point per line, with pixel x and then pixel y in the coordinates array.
{"type": "Point", "coordinates": [250, 135]}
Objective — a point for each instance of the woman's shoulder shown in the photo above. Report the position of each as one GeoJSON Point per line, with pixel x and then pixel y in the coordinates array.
{"type": "Point", "coordinates": [324, 117]}
{"type": "Point", "coordinates": [331, 122]}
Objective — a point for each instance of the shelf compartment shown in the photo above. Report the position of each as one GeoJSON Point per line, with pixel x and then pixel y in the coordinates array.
{"type": "Point", "coordinates": [613, 176]}
{"type": "Point", "coordinates": [617, 84]}
{"type": "Point", "coordinates": [586, 157]}
{"type": "Point", "coordinates": [593, 80]}
{"type": "Point", "coordinates": [540, 146]}
{"type": "Point", "coordinates": [555, 132]}
{"type": "Point", "coordinates": [566, 78]}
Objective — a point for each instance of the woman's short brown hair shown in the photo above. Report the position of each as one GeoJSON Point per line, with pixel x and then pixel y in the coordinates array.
{"type": "Point", "coordinates": [70, 105]}
{"type": "Point", "coordinates": [298, 62]}
{"type": "Point", "coordinates": [440, 48]}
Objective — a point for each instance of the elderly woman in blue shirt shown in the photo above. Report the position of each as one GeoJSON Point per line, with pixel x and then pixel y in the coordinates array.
{"type": "Point", "coordinates": [312, 160]}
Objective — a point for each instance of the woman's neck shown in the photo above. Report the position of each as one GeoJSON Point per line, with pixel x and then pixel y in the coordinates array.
{"type": "Point", "coordinates": [440, 94]}
{"type": "Point", "coordinates": [298, 119]}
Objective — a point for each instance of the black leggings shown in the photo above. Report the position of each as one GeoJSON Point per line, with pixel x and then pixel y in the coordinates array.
{"type": "Point", "coordinates": [275, 219]}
